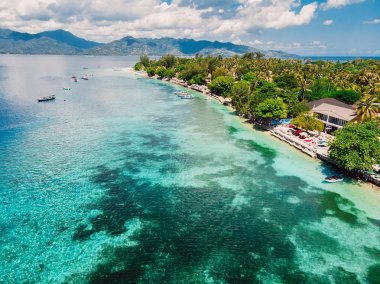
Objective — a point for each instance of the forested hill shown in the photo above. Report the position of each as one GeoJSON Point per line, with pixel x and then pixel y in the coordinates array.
{"type": "Point", "coordinates": [63, 42]}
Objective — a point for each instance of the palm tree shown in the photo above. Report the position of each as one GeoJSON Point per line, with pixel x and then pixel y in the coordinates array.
{"type": "Point", "coordinates": [367, 109]}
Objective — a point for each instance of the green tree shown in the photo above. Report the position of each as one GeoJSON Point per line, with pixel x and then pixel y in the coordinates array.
{"type": "Point", "coordinates": [144, 60]}
{"type": "Point", "coordinates": [222, 85]}
{"type": "Point", "coordinates": [161, 71]}
{"type": "Point", "coordinates": [248, 56]}
{"type": "Point", "coordinates": [218, 72]}
{"type": "Point", "coordinates": [138, 66]}
{"type": "Point", "coordinates": [319, 90]}
{"type": "Point", "coordinates": [170, 73]}
{"type": "Point", "coordinates": [308, 122]}
{"type": "Point", "coordinates": [297, 108]}
{"type": "Point", "coordinates": [264, 90]}
{"type": "Point", "coordinates": [357, 146]}
{"type": "Point", "coordinates": [192, 69]}
{"type": "Point", "coordinates": [367, 109]}
{"type": "Point", "coordinates": [198, 79]}
{"type": "Point", "coordinates": [167, 61]}
{"type": "Point", "coordinates": [346, 96]}
{"type": "Point", "coordinates": [251, 78]}
{"type": "Point", "coordinates": [286, 81]}
{"type": "Point", "coordinates": [150, 71]}
{"type": "Point", "coordinates": [240, 93]}
{"type": "Point", "coordinates": [272, 108]}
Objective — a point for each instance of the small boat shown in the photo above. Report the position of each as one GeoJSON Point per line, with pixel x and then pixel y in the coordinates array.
{"type": "Point", "coordinates": [84, 78]}
{"type": "Point", "coordinates": [45, 99]}
{"type": "Point", "coordinates": [333, 179]}
{"type": "Point", "coordinates": [188, 96]}
{"type": "Point", "coordinates": [66, 88]}
{"type": "Point", "coordinates": [180, 94]}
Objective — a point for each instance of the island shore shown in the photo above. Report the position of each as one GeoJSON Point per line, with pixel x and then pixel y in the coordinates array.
{"type": "Point", "coordinates": [321, 154]}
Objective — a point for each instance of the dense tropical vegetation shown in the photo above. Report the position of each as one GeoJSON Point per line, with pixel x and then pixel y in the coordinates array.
{"type": "Point", "coordinates": [357, 146]}
{"type": "Point", "coordinates": [251, 80]}
{"type": "Point", "coordinates": [308, 122]}
{"type": "Point", "coordinates": [269, 88]}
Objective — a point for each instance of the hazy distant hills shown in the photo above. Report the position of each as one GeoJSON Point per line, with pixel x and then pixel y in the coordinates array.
{"type": "Point", "coordinates": [63, 42]}
{"type": "Point", "coordinates": [51, 42]}
{"type": "Point", "coordinates": [137, 46]}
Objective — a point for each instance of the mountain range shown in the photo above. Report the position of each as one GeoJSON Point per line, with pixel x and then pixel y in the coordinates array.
{"type": "Point", "coordinates": [63, 42]}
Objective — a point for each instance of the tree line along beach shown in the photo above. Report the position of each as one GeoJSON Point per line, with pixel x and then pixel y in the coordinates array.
{"type": "Point", "coordinates": [333, 105]}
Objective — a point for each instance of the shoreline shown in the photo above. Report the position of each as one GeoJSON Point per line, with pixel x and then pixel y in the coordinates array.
{"type": "Point", "coordinates": [374, 183]}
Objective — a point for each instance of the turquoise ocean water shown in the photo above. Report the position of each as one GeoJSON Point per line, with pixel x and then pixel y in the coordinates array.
{"type": "Point", "coordinates": [119, 181]}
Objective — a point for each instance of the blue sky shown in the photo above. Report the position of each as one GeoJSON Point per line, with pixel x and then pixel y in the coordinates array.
{"type": "Point", "coordinates": [328, 27]}
{"type": "Point", "coordinates": [350, 32]}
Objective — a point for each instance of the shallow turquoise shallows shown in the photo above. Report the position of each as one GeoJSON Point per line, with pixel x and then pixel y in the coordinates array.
{"type": "Point", "coordinates": [120, 181]}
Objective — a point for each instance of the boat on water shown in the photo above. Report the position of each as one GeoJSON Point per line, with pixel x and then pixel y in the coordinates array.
{"type": "Point", "coordinates": [181, 93]}
{"type": "Point", "coordinates": [332, 179]}
{"type": "Point", "coordinates": [84, 78]}
{"type": "Point", "coordinates": [45, 99]}
{"type": "Point", "coordinates": [66, 88]}
{"type": "Point", "coordinates": [188, 96]}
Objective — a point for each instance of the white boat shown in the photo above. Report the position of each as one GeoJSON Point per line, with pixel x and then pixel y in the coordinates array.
{"type": "Point", "coordinates": [188, 96]}
{"type": "Point", "coordinates": [181, 93]}
{"type": "Point", "coordinates": [45, 99]}
{"type": "Point", "coordinates": [333, 179]}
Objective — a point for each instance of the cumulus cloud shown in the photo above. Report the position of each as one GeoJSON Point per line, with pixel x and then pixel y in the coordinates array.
{"type": "Point", "coordinates": [315, 47]}
{"type": "Point", "coordinates": [256, 42]}
{"type": "Point", "coordinates": [338, 3]}
{"type": "Point", "coordinates": [328, 22]}
{"type": "Point", "coordinates": [373, 22]}
{"type": "Point", "coordinates": [318, 44]}
{"type": "Point", "coordinates": [296, 44]}
{"type": "Point", "coordinates": [104, 20]}
{"type": "Point", "coordinates": [267, 14]}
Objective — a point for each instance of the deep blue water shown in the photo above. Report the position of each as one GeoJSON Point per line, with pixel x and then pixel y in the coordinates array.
{"type": "Point", "coordinates": [119, 181]}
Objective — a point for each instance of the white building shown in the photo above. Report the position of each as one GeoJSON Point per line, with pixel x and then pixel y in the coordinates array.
{"type": "Point", "coordinates": [333, 113]}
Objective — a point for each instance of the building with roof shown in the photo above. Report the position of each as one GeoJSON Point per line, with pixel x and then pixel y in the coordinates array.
{"type": "Point", "coordinates": [333, 113]}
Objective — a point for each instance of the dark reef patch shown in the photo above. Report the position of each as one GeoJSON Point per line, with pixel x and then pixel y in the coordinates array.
{"type": "Point", "coordinates": [187, 230]}
{"type": "Point", "coordinates": [232, 130]}
{"type": "Point", "coordinates": [373, 274]}
{"type": "Point", "coordinates": [267, 153]}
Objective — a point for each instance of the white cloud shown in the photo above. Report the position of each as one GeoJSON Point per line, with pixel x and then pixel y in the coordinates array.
{"type": "Point", "coordinates": [316, 44]}
{"type": "Point", "coordinates": [315, 47]}
{"type": "Point", "coordinates": [257, 42]}
{"type": "Point", "coordinates": [296, 44]}
{"type": "Point", "coordinates": [259, 14]}
{"type": "Point", "coordinates": [338, 3]}
{"type": "Point", "coordinates": [373, 22]}
{"type": "Point", "coordinates": [105, 20]}
{"type": "Point", "coordinates": [328, 22]}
